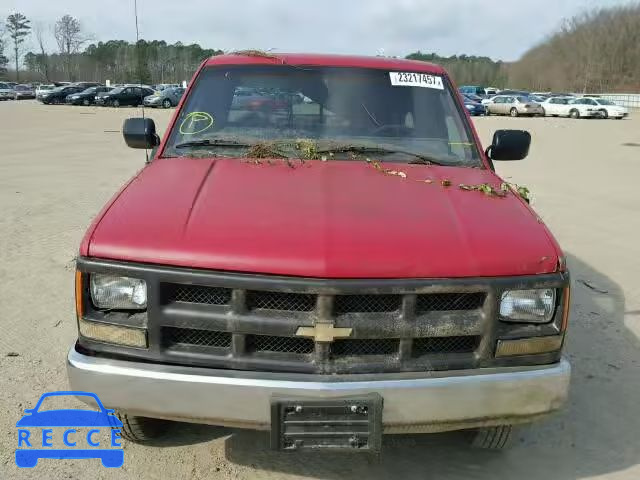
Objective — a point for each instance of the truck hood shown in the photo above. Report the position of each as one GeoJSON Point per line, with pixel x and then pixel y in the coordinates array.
{"type": "Point", "coordinates": [336, 219]}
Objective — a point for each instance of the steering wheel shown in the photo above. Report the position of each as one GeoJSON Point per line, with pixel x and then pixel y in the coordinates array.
{"type": "Point", "coordinates": [398, 130]}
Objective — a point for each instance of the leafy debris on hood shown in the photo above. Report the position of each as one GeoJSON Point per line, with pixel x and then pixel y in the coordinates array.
{"type": "Point", "coordinates": [485, 188]}
{"type": "Point", "coordinates": [387, 171]}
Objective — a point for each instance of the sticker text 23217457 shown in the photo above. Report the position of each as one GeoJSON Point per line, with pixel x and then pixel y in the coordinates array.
{"type": "Point", "coordinates": [414, 79]}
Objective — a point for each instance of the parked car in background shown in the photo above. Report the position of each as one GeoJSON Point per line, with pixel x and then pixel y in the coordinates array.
{"type": "Point", "coordinates": [163, 86]}
{"type": "Point", "coordinates": [491, 91]}
{"type": "Point", "coordinates": [521, 93]}
{"type": "Point", "coordinates": [513, 105]}
{"type": "Point", "coordinates": [608, 109]}
{"type": "Point", "coordinates": [22, 92]}
{"type": "Point", "coordinates": [537, 98]}
{"type": "Point", "coordinates": [583, 108]}
{"type": "Point", "coordinates": [474, 107]}
{"type": "Point", "coordinates": [42, 89]}
{"type": "Point", "coordinates": [6, 91]}
{"type": "Point", "coordinates": [59, 94]}
{"type": "Point", "coordinates": [167, 98]}
{"type": "Point", "coordinates": [121, 96]}
{"type": "Point", "coordinates": [86, 97]}
{"type": "Point", "coordinates": [86, 85]}
{"type": "Point", "coordinates": [472, 96]}
{"type": "Point", "coordinates": [473, 89]}
{"type": "Point", "coordinates": [556, 106]}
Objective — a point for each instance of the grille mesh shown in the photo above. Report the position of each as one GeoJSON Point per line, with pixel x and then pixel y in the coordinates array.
{"type": "Point", "coordinates": [366, 303]}
{"type": "Point", "coordinates": [369, 346]}
{"type": "Point", "coordinates": [449, 301]}
{"type": "Point", "coordinates": [291, 302]}
{"type": "Point", "coordinates": [202, 338]}
{"type": "Point", "coordinates": [432, 345]}
{"type": "Point", "coordinates": [198, 294]}
{"type": "Point", "coordinates": [269, 343]}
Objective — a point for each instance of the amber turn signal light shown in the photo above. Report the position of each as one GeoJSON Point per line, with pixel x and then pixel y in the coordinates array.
{"type": "Point", "coordinates": [529, 346]}
{"type": "Point", "coordinates": [79, 304]}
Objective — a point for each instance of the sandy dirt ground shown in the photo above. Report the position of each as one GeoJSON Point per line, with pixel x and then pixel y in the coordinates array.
{"type": "Point", "coordinates": [59, 165]}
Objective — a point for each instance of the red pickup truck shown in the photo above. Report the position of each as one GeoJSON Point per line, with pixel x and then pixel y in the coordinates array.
{"type": "Point", "coordinates": [339, 264]}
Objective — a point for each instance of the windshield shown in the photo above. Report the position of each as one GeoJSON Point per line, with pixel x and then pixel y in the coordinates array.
{"type": "Point", "coordinates": [116, 90]}
{"type": "Point", "coordinates": [90, 90]}
{"type": "Point", "coordinates": [325, 107]}
{"type": "Point", "coordinates": [602, 101]}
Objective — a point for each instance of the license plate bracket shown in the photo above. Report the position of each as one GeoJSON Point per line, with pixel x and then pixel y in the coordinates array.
{"type": "Point", "coordinates": [344, 423]}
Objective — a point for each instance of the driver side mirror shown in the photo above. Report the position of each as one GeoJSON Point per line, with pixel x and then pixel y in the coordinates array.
{"type": "Point", "coordinates": [140, 133]}
{"type": "Point", "coordinates": [509, 145]}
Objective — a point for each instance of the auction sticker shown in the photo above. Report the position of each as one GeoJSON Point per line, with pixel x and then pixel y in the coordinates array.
{"type": "Point", "coordinates": [414, 79]}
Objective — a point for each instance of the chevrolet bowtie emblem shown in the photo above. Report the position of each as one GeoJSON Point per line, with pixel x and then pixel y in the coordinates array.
{"type": "Point", "coordinates": [324, 332]}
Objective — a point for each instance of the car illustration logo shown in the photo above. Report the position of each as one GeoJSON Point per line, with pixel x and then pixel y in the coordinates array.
{"type": "Point", "coordinates": [38, 427]}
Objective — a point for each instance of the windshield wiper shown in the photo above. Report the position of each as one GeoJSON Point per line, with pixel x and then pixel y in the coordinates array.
{"type": "Point", "coordinates": [213, 143]}
{"type": "Point", "coordinates": [420, 158]}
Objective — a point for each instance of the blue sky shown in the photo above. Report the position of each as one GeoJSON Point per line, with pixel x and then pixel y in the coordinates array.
{"type": "Point", "coordinates": [501, 29]}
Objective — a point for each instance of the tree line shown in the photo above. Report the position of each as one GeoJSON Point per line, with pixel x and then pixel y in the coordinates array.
{"type": "Point", "coordinates": [594, 51]}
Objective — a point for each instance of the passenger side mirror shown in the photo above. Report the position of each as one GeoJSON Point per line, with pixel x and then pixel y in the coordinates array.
{"type": "Point", "coordinates": [509, 145]}
{"type": "Point", "coordinates": [140, 133]}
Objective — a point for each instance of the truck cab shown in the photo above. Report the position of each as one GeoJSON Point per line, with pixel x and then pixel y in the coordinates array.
{"type": "Point", "coordinates": [330, 270]}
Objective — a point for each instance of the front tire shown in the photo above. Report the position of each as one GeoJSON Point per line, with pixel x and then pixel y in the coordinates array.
{"type": "Point", "coordinates": [115, 103]}
{"type": "Point", "coordinates": [574, 114]}
{"type": "Point", "coordinates": [513, 112]}
{"type": "Point", "coordinates": [166, 103]}
{"type": "Point", "coordinates": [86, 102]}
{"type": "Point", "coordinates": [493, 438]}
{"type": "Point", "coordinates": [604, 114]}
{"type": "Point", "coordinates": [141, 429]}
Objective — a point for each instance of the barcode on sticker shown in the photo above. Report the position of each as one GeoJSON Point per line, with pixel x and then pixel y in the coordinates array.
{"type": "Point", "coordinates": [415, 79]}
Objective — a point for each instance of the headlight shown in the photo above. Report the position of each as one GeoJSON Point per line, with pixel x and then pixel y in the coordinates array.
{"type": "Point", "coordinates": [468, 107]}
{"type": "Point", "coordinates": [534, 306]}
{"type": "Point", "coordinates": [113, 292]}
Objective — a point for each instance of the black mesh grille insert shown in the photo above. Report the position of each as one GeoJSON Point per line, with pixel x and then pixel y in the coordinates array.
{"type": "Point", "coordinates": [449, 301]}
{"type": "Point", "coordinates": [367, 346]}
{"type": "Point", "coordinates": [432, 345]}
{"type": "Point", "coordinates": [198, 294]}
{"type": "Point", "coordinates": [269, 343]}
{"type": "Point", "coordinates": [366, 303]}
{"type": "Point", "coordinates": [202, 338]}
{"type": "Point", "coordinates": [289, 302]}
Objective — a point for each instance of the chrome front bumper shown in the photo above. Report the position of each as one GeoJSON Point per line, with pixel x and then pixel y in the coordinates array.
{"type": "Point", "coordinates": [413, 402]}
